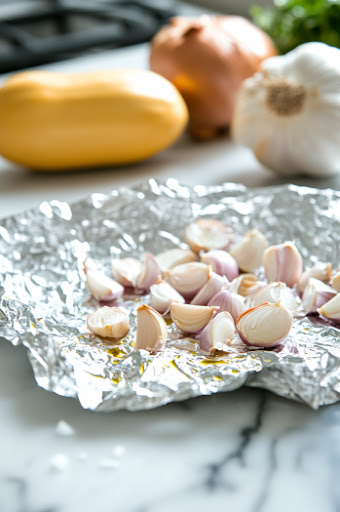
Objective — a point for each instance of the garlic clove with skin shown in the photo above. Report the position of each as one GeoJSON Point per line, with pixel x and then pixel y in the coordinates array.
{"type": "Point", "coordinates": [275, 292]}
{"type": "Point", "coordinates": [221, 262]}
{"type": "Point", "coordinates": [207, 234]}
{"type": "Point", "coordinates": [149, 274]}
{"type": "Point", "coordinates": [331, 309]}
{"type": "Point", "coordinates": [265, 326]}
{"type": "Point", "coordinates": [101, 287]}
{"type": "Point", "coordinates": [336, 282]}
{"type": "Point", "coordinates": [126, 271]}
{"type": "Point", "coordinates": [170, 259]}
{"type": "Point", "coordinates": [283, 262]}
{"type": "Point", "coordinates": [109, 322]}
{"type": "Point", "coordinates": [162, 294]}
{"type": "Point", "coordinates": [188, 278]}
{"type": "Point", "coordinates": [246, 284]}
{"type": "Point", "coordinates": [316, 294]}
{"type": "Point", "coordinates": [230, 302]}
{"type": "Point", "coordinates": [321, 271]}
{"type": "Point", "coordinates": [152, 331]}
{"type": "Point", "coordinates": [209, 289]}
{"type": "Point", "coordinates": [190, 318]}
{"type": "Point", "coordinates": [248, 252]}
{"type": "Point", "coordinates": [218, 333]}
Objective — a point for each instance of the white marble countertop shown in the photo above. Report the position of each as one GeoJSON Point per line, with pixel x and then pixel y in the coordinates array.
{"type": "Point", "coordinates": [247, 451]}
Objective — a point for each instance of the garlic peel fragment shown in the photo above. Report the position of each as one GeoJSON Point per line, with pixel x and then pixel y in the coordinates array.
{"type": "Point", "coordinates": [207, 234]}
{"type": "Point", "coordinates": [218, 333]}
{"type": "Point", "coordinates": [248, 252]}
{"type": "Point", "coordinates": [109, 322]}
{"type": "Point", "coordinates": [265, 326]}
{"type": "Point", "coordinates": [152, 330]}
{"type": "Point", "coordinates": [190, 318]}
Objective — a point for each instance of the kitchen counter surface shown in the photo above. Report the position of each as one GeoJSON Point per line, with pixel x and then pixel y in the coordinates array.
{"type": "Point", "coordinates": [247, 451]}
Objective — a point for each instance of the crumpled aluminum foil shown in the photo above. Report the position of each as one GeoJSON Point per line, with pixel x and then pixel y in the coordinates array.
{"type": "Point", "coordinates": [44, 302]}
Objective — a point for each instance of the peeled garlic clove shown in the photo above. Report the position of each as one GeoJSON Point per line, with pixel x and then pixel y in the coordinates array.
{"type": "Point", "coordinates": [188, 278]}
{"type": "Point", "coordinates": [101, 287]}
{"type": "Point", "coordinates": [248, 252]}
{"type": "Point", "coordinates": [331, 309]}
{"type": "Point", "coordinates": [207, 234]}
{"type": "Point", "coordinates": [109, 322]}
{"type": "Point", "coordinates": [218, 334]}
{"type": "Point", "coordinates": [275, 292]}
{"type": "Point", "coordinates": [246, 284]}
{"type": "Point", "coordinates": [126, 271]}
{"type": "Point", "coordinates": [221, 262]}
{"type": "Point", "coordinates": [230, 302]}
{"type": "Point", "coordinates": [208, 290]}
{"type": "Point", "coordinates": [265, 326]}
{"type": "Point", "coordinates": [316, 294]}
{"type": "Point", "coordinates": [321, 271]}
{"type": "Point", "coordinates": [283, 262]}
{"type": "Point", "coordinates": [190, 318]}
{"type": "Point", "coordinates": [152, 331]}
{"type": "Point", "coordinates": [336, 282]}
{"type": "Point", "coordinates": [170, 259]}
{"type": "Point", "coordinates": [162, 294]}
{"type": "Point", "coordinates": [149, 274]}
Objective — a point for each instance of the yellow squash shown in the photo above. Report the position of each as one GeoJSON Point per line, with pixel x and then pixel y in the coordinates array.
{"type": "Point", "coordinates": [59, 121]}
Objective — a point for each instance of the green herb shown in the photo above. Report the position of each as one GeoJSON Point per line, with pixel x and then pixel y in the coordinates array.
{"type": "Point", "coordinates": [293, 22]}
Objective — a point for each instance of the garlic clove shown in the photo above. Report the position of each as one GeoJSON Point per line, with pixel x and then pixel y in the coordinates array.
{"type": "Point", "coordinates": [162, 294]}
{"type": "Point", "coordinates": [275, 292]}
{"type": "Point", "coordinates": [149, 273]}
{"type": "Point", "coordinates": [336, 282]}
{"type": "Point", "coordinates": [218, 333]}
{"type": "Point", "coordinates": [152, 331]}
{"type": "Point", "coordinates": [109, 322]}
{"type": "Point", "coordinates": [190, 318]}
{"type": "Point", "coordinates": [248, 252]}
{"type": "Point", "coordinates": [170, 259]}
{"type": "Point", "coordinates": [283, 262]}
{"type": "Point", "coordinates": [188, 278]}
{"type": "Point", "coordinates": [331, 309]}
{"type": "Point", "coordinates": [265, 326]}
{"type": "Point", "coordinates": [209, 289]}
{"type": "Point", "coordinates": [230, 302]}
{"type": "Point", "coordinates": [316, 294]}
{"type": "Point", "coordinates": [207, 234]}
{"type": "Point", "coordinates": [126, 271]}
{"type": "Point", "coordinates": [101, 287]}
{"type": "Point", "coordinates": [221, 262]}
{"type": "Point", "coordinates": [321, 271]}
{"type": "Point", "coordinates": [246, 284]}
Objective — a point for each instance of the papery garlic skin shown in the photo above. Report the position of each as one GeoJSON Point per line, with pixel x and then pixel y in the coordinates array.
{"type": "Point", "coordinates": [173, 257]}
{"type": "Point", "coordinates": [331, 310]}
{"type": "Point", "coordinates": [246, 285]}
{"type": "Point", "coordinates": [189, 318]}
{"type": "Point", "coordinates": [207, 234]}
{"type": "Point", "coordinates": [101, 287]}
{"type": "Point", "coordinates": [188, 278]}
{"type": "Point", "coordinates": [281, 111]}
{"type": "Point", "coordinates": [321, 271]}
{"type": "Point", "coordinates": [316, 294]}
{"type": "Point", "coordinates": [230, 302]}
{"type": "Point", "coordinates": [152, 331]}
{"type": "Point", "coordinates": [275, 292]}
{"type": "Point", "coordinates": [336, 282]}
{"type": "Point", "coordinates": [109, 322]}
{"type": "Point", "coordinates": [218, 334]}
{"type": "Point", "coordinates": [265, 326]}
{"type": "Point", "coordinates": [221, 262]}
{"type": "Point", "coordinates": [248, 252]}
{"type": "Point", "coordinates": [209, 289]}
{"type": "Point", "coordinates": [149, 273]}
{"type": "Point", "coordinates": [283, 262]}
{"type": "Point", "coordinates": [162, 294]}
{"type": "Point", "coordinates": [126, 271]}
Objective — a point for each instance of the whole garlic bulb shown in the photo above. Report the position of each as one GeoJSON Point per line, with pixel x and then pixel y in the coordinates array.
{"type": "Point", "coordinates": [288, 113]}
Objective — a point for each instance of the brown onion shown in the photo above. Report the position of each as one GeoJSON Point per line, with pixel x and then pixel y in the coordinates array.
{"type": "Point", "coordinates": [207, 58]}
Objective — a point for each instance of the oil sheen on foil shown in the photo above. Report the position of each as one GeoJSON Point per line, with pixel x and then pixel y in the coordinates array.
{"type": "Point", "coordinates": [44, 302]}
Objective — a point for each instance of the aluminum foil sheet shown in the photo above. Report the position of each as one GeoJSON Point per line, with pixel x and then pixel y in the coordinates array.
{"type": "Point", "coordinates": [44, 302]}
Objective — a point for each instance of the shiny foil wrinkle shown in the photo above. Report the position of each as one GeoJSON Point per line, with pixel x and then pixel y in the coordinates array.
{"type": "Point", "coordinates": [44, 302]}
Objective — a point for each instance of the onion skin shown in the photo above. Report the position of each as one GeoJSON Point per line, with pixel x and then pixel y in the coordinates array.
{"type": "Point", "coordinates": [207, 58]}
